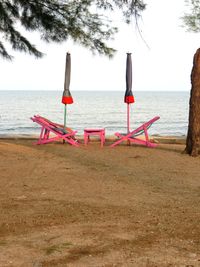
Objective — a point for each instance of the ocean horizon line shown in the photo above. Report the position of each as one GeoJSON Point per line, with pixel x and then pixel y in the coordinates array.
{"type": "Point", "coordinates": [74, 90]}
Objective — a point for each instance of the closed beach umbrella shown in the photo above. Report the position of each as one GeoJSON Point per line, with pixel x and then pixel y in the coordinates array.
{"type": "Point", "coordinates": [67, 98]}
{"type": "Point", "coordinates": [128, 98]}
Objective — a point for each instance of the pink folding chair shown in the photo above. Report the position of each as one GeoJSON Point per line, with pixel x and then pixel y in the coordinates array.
{"type": "Point", "coordinates": [49, 127]}
{"type": "Point", "coordinates": [132, 136]}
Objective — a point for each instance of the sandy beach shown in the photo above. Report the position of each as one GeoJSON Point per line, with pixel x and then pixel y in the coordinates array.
{"type": "Point", "coordinates": [87, 206]}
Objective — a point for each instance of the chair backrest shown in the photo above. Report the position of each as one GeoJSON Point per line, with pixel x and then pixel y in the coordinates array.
{"type": "Point", "coordinates": [147, 125]}
{"type": "Point", "coordinates": [142, 131]}
{"type": "Point", "coordinates": [51, 125]}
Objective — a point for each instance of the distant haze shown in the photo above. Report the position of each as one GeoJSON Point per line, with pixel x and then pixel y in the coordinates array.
{"type": "Point", "coordinates": [164, 65]}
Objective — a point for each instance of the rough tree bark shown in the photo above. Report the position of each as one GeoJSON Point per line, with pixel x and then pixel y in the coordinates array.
{"type": "Point", "coordinates": [193, 135]}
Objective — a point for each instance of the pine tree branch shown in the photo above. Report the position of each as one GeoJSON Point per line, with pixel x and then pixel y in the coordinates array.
{"type": "Point", "coordinates": [58, 20]}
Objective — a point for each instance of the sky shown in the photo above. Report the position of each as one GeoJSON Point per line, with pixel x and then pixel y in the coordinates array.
{"type": "Point", "coordinates": [162, 62]}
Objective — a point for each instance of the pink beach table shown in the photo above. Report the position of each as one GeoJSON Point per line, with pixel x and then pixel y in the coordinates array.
{"type": "Point", "coordinates": [98, 132]}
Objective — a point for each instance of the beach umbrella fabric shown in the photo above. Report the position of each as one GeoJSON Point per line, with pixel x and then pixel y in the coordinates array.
{"type": "Point", "coordinates": [67, 98]}
{"type": "Point", "coordinates": [128, 98]}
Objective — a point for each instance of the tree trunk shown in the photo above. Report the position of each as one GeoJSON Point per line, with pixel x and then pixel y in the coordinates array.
{"type": "Point", "coordinates": [193, 135]}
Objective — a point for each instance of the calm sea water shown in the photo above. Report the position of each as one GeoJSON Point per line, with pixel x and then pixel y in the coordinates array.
{"type": "Point", "coordinates": [94, 110]}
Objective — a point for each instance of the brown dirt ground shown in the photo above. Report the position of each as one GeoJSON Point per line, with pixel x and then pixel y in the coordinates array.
{"type": "Point", "coordinates": [124, 206]}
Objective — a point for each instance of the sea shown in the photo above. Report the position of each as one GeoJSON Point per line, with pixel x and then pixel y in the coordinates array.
{"type": "Point", "coordinates": [94, 109]}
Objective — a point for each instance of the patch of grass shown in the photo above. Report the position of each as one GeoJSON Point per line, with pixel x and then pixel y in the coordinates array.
{"type": "Point", "coordinates": [57, 248]}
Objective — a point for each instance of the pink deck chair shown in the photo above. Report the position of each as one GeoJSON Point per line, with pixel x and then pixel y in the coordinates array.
{"type": "Point", "coordinates": [132, 136]}
{"type": "Point", "coordinates": [49, 127]}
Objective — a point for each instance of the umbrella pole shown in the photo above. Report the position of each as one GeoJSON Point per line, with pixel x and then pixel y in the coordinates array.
{"type": "Point", "coordinates": [128, 118]}
{"type": "Point", "coordinates": [65, 117]}
{"type": "Point", "coordinates": [128, 122]}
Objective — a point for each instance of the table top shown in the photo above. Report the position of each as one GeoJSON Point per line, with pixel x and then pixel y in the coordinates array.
{"type": "Point", "coordinates": [94, 130]}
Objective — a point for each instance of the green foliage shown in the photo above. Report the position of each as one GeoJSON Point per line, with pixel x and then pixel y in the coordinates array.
{"type": "Point", "coordinates": [58, 20]}
{"type": "Point", "coordinates": [192, 19]}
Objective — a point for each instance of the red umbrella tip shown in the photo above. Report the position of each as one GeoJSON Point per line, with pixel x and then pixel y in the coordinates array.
{"type": "Point", "coordinates": [129, 99]}
{"type": "Point", "coordinates": [67, 100]}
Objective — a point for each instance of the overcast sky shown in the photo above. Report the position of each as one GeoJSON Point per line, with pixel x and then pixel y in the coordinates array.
{"type": "Point", "coordinates": [163, 64]}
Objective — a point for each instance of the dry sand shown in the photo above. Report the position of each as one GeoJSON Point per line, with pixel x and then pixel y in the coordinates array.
{"type": "Point", "coordinates": [123, 206]}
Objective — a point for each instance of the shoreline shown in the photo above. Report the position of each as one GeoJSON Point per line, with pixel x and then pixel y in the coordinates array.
{"type": "Point", "coordinates": [109, 138]}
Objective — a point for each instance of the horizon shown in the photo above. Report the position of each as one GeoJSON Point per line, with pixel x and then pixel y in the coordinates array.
{"type": "Point", "coordinates": [74, 90]}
